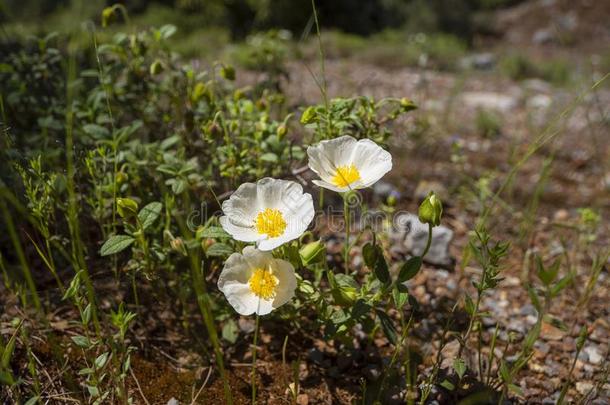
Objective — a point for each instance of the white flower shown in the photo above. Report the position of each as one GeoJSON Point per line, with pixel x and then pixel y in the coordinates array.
{"type": "Point", "coordinates": [255, 282]}
{"type": "Point", "coordinates": [345, 164]}
{"type": "Point", "coordinates": [270, 212]}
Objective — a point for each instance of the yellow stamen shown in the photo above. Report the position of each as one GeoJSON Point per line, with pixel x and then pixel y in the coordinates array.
{"type": "Point", "coordinates": [262, 283]}
{"type": "Point", "coordinates": [346, 175]}
{"type": "Point", "coordinates": [270, 222]}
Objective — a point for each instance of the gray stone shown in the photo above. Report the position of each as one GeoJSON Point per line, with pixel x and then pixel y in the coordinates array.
{"type": "Point", "coordinates": [594, 356]}
{"type": "Point", "coordinates": [409, 232]}
{"type": "Point", "coordinates": [489, 100]}
{"type": "Point", "coordinates": [543, 36]}
{"type": "Point", "coordinates": [480, 61]}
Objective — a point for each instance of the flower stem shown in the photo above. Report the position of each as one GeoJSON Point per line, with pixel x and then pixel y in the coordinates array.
{"type": "Point", "coordinates": [254, 342]}
{"type": "Point", "coordinates": [347, 231]}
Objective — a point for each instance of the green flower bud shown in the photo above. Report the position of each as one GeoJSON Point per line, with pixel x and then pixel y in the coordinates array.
{"type": "Point", "coordinates": [107, 16]}
{"type": "Point", "coordinates": [121, 177]}
{"type": "Point", "coordinates": [308, 116]}
{"type": "Point", "coordinates": [127, 207]}
{"type": "Point", "coordinates": [313, 252]}
{"type": "Point", "coordinates": [177, 245]}
{"type": "Point", "coordinates": [407, 105]}
{"type": "Point", "coordinates": [431, 210]}
{"type": "Point", "coordinates": [156, 67]}
{"type": "Point", "coordinates": [227, 72]}
{"type": "Point", "coordinates": [281, 131]}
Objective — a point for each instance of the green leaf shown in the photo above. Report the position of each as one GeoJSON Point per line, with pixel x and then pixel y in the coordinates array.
{"type": "Point", "coordinates": [360, 309]}
{"type": "Point", "coordinates": [219, 250]}
{"type": "Point", "coordinates": [561, 285]}
{"type": "Point", "coordinates": [96, 131]}
{"type": "Point", "coordinates": [400, 297]}
{"type": "Point", "coordinates": [448, 385]}
{"type": "Point", "coordinates": [212, 232]}
{"type": "Point", "coordinates": [32, 401]}
{"type": "Point", "coordinates": [269, 157]}
{"type": "Point", "coordinates": [387, 326]}
{"type": "Point", "coordinates": [93, 391]}
{"type": "Point", "coordinates": [556, 322]}
{"type": "Point", "coordinates": [373, 258]}
{"type": "Point", "coordinates": [230, 331]}
{"type": "Point", "coordinates": [7, 353]}
{"type": "Point", "coordinates": [149, 214]}
{"type": "Point", "coordinates": [460, 367]}
{"type": "Point", "coordinates": [101, 360]}
{"type": "Point", "coordinates": [116, 244]}
{"type": "Point", "coordinates": [504, 372]}
{"type": "Point", "coordinates": [167, 31]}
{"type": "Point", "coordinates": [515, 389]}
{"type": "Point", "coordinates": [534, 298]}
{"type": "Point", "coordinates": [409, 269]}
{"type": "Point", "coordinates": [81, 341]}
{"type": "Point", "coordinates": [469, 305]}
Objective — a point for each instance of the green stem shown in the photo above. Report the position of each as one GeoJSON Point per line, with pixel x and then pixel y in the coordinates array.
{"type": "Point", "coordinates": [20, 255]}
{"type": "Point", "coordinates": [429, 242]}
{"type": "Point", "coordinates": [254, 343]}
{"type": "Point", "coordinates": [347, 231]}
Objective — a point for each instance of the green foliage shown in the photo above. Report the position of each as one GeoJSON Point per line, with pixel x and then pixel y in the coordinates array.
{"type": "Point", "coordinates": [519, 67]}
{"type": "Point", "coordinates": [488, 123]}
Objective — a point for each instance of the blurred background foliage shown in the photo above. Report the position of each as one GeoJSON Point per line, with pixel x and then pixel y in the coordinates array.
{"type": "Point", "coordinates": [242, 17]}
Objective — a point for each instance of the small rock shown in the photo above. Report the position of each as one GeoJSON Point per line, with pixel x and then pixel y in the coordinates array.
{"type": "Point", "coordinates": [539, 101]}
{"type": "Point", "coordinates": [316, 356]}
{"type": "Point", "coordinates": [384, 189]}
{"type": "Point", "coordinates": [413, 234]}
{"type": "Point", "coordinates": [543, 36]}
{"type": "Point", "coordinates": [583, 387]}
{"type": "Point", "coordinates": [489, 100]}
{"type": "Point", "coordinates": [480, 61]}
{"type": "Point", "coordinates": [246, 325]}
{"type": "Point", "coordinates": [549, 332]}
{"type": "Point", "coordinates": [593, 354]}
{"type": "Point", "coordinates": [371, 372]}
{"type": "Point", "coordinates": [528, 309]}
{"type": "Point", "coordinates": [173, 401]}
{"type": "Point", "coordinates": [302, 399]}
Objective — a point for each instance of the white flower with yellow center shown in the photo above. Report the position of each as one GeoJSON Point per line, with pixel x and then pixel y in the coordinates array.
{"type": "Point", "coordinates": [345, 164]}
{"type": "Point", "coordinates": [270, 212]}
{"type": "Point", "coordinates": [255, 282]}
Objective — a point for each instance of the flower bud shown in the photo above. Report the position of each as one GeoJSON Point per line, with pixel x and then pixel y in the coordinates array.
{"type": "Point", "coordinates": [281, 131]}
{"type": "Point", "coordinates": [313, 252]}
{"type": "Point", "coordinates": [127, 207]}
{"type": "Point", "coordinates": [308, 116]}
{"type": "Point", "coordinates": [431, 210]}
{"type": "Point", "coordinates": [156, 67]}
{"type": "Point", "coordinates": [227, 72]}
{"type": "Point", "coordinates": [121, 177]}
{"type": "Point", "coordinates": [107, 16]}
{"type": "Point", "coordinates": [177, 245]}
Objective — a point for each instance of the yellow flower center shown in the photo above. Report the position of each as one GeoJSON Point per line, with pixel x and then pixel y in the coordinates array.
{"type": "Point", "coordinates": [270, 222]}
{"type": "Point", "coordinates": [346, 175]}
{"type": "Point", "coordinates": [262, 283]}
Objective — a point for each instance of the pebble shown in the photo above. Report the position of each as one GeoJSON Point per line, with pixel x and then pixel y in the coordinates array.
{"type": "Point", "coordinates": [411, 234]}
{"type": "Point", "coordinates": [303, 399]}
{"type": "Point", "coordinates": [583, 387]}
{"type": "Point", "coordinates": [372, 372]}
{"type": "Point", "coordinates": [593, 355]}
{"type": "Point", "coordinates": [489, 100]}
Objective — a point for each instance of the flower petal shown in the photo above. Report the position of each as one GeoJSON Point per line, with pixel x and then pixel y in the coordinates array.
{"type": "Point", "coordinates": [372, 161]}
{"type": "Point", "coordinates": [328, 155]}
{"type": "Point", "coordinates": [287, 283]}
